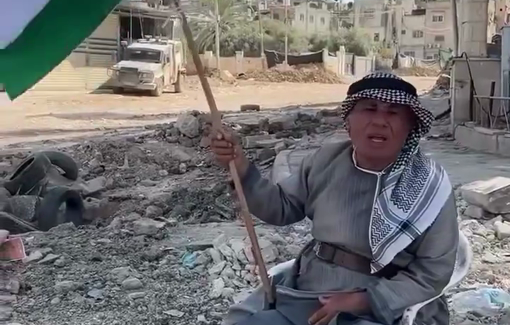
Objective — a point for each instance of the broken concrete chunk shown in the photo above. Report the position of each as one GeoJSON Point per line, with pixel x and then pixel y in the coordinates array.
{"type": "Point", "coordinates": [188, 125]}
{"type": "Point", "coordinates": [475, 212]}
{"type": "Point", "coordinates": [492, 195]}
{"type": "Point", "coordinates": [149, 227]}
{"type": "Point", "coordinates": [502, 229]}
{"type": "Point", "coordinates": [260, 141]}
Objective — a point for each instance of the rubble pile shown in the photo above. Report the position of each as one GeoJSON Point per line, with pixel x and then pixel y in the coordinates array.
{"type": "Point", "coordinates": [418, 71]}
{"type": "Point", "coordinates": [305, 73]}
{"type": "Point", "coordinates": [484, 296]}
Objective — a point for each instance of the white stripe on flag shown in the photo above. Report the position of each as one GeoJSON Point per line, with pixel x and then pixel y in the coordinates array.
{"type": "Point", "coordinates": [15, 15]}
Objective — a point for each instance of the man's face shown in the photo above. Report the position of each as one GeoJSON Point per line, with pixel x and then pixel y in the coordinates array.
{"type": "Point", "coordinates": [378, 129]}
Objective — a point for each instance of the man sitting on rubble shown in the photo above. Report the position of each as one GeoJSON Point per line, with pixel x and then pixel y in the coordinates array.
{"type": "Point", "coordinates": [384, 217]}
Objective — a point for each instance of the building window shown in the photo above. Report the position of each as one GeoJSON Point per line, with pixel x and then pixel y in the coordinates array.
{"type": "Point", "coordinates": [439, 38]}
{"type": "Point", "coordinates": [417, 34]}
{"type": "Point", "coordinates": [403, 32]}
{"type": "Point", "coordinates": [409, 53]}
{"type": "Point", "coordinates": [376, 37]}
{"type": "Point", "coordinates": [436, 56]}
{"type": "Point", "coordinates": [323, 21]}
{"type": "Point", "coordinates": [507, 18]}
{"type": "Point", "coordinates": [276, 16]}
{"type": "Point", "coordinates": [311, 19]}
{"type": "Point", "coordinates": [302, 17]}
{"type": "Point", "coordinates": [437, 18]}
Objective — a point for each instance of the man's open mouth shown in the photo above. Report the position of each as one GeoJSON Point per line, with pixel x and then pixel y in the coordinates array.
{"type": "Point", "coordinates": [377, 138]}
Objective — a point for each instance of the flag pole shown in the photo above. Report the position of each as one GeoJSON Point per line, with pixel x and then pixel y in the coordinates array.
{"type": "Point", "coordinates": [216, 121]}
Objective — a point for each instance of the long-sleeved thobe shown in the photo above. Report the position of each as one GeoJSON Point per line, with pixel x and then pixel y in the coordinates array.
{"type": "Point", "coordinates": [338, 196]}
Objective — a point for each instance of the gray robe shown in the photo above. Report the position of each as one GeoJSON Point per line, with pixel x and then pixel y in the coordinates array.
{"type": "Point", "coordinates": [338, 197]}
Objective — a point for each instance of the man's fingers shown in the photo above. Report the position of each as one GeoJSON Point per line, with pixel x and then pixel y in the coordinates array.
{"type": "Point", "coordinates": [319, 315]}
{"type": "Point", "coordinates": [325, 320]}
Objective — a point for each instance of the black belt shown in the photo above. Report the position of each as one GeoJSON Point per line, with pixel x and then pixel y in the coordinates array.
{"type": "Point", "coordinates": [354, 262]}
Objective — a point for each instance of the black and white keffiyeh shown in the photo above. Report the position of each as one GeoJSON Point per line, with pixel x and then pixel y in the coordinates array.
{"type": "Point", "coordinates": [416, 188]}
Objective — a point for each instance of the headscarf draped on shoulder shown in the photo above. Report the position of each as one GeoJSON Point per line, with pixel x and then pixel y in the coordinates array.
{"type": "Point", "coordinates": [416, 189]}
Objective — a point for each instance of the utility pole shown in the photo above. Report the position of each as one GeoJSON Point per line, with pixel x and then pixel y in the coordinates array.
{"type": "Point", "coordinates": [306, 18]}
{"type": "Point", "coordinates": [286, 33]}
{"type": "Point", "coordinates": [261, 30]}
{"type": "Point", "coordinates": [217, 14]}
{"type": "Point", "coordinates": [455, 22]}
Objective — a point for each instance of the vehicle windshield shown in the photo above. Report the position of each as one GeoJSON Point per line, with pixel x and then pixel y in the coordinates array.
{"type": "Point", "coordinates": [152, 56]}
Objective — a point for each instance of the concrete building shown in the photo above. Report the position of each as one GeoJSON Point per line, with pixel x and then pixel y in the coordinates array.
{"type": "Point", "coordinates": [412, 38]}
{"type": "Point", "coordinates": [438, 28]}
{"type": "Point", "coordinates": [312, 17]}
{"type": "Point", "coordinates": [502, 14]}
{"type": "Point", "coordinates": [372, 16]}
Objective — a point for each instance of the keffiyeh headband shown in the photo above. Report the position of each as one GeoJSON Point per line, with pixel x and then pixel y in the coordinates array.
{"type": "Point", "coordinates": [416, 188]}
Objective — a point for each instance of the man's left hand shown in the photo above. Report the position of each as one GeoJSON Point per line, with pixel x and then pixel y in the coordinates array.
{"type": "Point", "coordinates": [351, 302]}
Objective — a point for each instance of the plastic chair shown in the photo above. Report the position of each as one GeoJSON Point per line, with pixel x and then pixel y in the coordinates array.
{"type": "Point", "coordinates": [462, 264]}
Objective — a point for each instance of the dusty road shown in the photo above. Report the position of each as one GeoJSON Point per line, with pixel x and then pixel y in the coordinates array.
{"type": "Point", "coordinates": [52, 115]}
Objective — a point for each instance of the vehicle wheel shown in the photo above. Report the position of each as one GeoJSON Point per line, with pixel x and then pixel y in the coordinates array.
{"type": "Point", "coordinates": [118, 90]}
{"type": "Point", "coordinates": [177, 85]}
{"type": "Point", "coordinates": [50, 214]}
{"type": "Point", "coordinates": [159, 88]}
{"type": "Point", "coordinates": [29, 173]}
{"type": "Point", "coordinates": [65, 162]}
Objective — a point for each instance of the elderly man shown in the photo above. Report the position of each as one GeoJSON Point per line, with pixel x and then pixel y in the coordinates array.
{"type": "Point", "coordinates": [384, 217]}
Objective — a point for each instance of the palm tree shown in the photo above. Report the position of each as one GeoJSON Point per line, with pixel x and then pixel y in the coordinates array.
{"type": "Point", "coordinates": [231, 13]}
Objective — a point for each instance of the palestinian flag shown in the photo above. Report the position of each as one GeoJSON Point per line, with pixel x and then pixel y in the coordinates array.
{"type": "Point", "coordinates": [36, 35]}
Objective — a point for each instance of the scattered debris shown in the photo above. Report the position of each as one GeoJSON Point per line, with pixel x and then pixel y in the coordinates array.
{"type": "Point", "coordinates": [306, 73]}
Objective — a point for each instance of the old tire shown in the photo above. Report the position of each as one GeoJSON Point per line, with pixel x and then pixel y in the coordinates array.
{"type": "Point", "coordinates": [29, 173]}
{"type": "Point", "coordinates": [159, 88]}
{"type": "Point", "coordinates": [49, 216]}
{"type": "Point", "coordinates": [118, 90]}
{"type": "Point", "coordinates": [178, 85]}
{"type": "Point", "coordinates": [250, 107]}
{"type": "Point", "coordinates": [65, 162]}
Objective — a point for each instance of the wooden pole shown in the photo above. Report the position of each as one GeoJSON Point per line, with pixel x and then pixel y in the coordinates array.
{"type": "Point", "coordinates": [216, 121]}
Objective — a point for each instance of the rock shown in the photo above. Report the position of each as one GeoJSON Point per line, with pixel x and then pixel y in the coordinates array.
{"type": "Point", "coordinates": [502, 229]}
{"type": "Point", "coordinates": [120, 274]}
{"type": "Point", "coordinates": [147, 227]}
{"type": "Point", "coordinates": [33, 257]}
{"type": "Point", "coordinates": [188, 125]}
{"type": "Point", "coordinates": [94, 186]}
{"type": "Point", "coordinates": [217, 288]}
{"type": "Point", "coordinates": [217, 268]}
{"type": "Point", "coordinates": [182, 168]}
{"type": "Point", "coordinates": [116, 223]}
{"type": "Point", "coordinates": [220, 240]}
{"type": "Point", "coordinates": [174, 313]}
{"type": "Point", "coordinates": [215, 255]}
{"type": "Point", "coordinates": [12, 286]}
{"type": "Point", "coordinates": [228, 293]}
{"type": "Point", "coordinates": [225, 75]}
{"type": "Point", "coordinates": [226, 251]}
{"type": "Point", "coordinates": [180, 155]}
{"type": "Point", "coordinates": [198, 246]}
{"type": "Point", "coordinates": [137, 295]}
{"type": "Point", "coordinates": [23, 206]}
{"type": "Point", "coordinates": [96, 294]}
{"type": "Point", "coordinates": [475, 212]}
{"type": "Point", "coordinates": [260, 141]}
{"type": "Point", "coordinates": [66, 286]}
{"type": "Point", "coordinates": [132, 284]}
{"type": "Point", "coordinates": [162, 173]}
{"type": "Point", "coordinates": [48, 259]}
{"type": "Point", "coordinates": [7, 299]}
{"type": "Point", "coordinates": [202, 320]}
{"type": "Point", "coordinates": [95, 208]}
{"type": "Point", "coordinates": [492, 195]}
{"type": "Point", "coordinates": [490, 258]}
{"type": "Point", "coordinates": [153, 212]}
{"type": "Point", "coordinates": [238, 247]}
{"type": "Point", "coordinates": [269, 251]}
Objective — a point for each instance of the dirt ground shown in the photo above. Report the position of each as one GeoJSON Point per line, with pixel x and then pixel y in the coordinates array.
{"type": "Point", "coordinates": [52, 115]}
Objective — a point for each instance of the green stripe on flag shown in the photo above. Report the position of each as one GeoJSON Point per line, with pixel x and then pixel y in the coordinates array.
{"type": "Point", "coordinates": [48, 39]}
